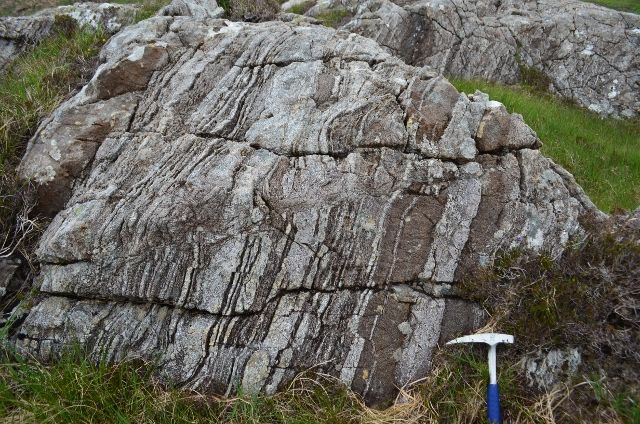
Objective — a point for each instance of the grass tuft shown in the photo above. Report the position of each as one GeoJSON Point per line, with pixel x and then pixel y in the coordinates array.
{"type": "Point", "coordinates": [602, 154]}
{"type": "Point", "coordinates": [148, 8]}
{"type": "Point", "coordinates": [302, 8]}
{"type": "Point", "coordinates": [76, 389]}
{"type": "Point", "coordinates": [623, 5]}
{"type": "Point", "coordinates": [225, 4]}
{"type": "Point", "coordinates": [333, 17]}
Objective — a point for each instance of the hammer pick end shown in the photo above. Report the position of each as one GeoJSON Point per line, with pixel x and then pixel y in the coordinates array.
{"type": "Point", "coordinates": [491, 339]}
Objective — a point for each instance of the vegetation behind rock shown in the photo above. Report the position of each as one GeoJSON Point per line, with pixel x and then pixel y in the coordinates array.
{"type": "Point", "coordinates": [586, 298]}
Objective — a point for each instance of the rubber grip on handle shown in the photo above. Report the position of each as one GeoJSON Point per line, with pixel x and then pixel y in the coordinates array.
{"type": "Point", "coordinates": [494, 412]}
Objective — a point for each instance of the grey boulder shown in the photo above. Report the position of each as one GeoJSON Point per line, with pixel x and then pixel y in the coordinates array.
{"type": "Point", "coordinates": [196, 8]}
{"type": "Point", "coordinates": [544, 370]}
{"type": "Point", "coordinates": [241, 202]}
{"type": "Point", "coordinates": [582, 52]}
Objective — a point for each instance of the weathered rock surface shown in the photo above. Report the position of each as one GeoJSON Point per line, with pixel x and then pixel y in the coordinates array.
{"type": "Point", "coordinates": [13, 279]}
{"type": "Point", "coordinates": [198, 9]}
{"type": "Point", "coordinates": [8, 270]}
{"type": "Point", "coordinates": [582, 52]}
{"type": "Point", "coordinates": [21, 32]}
{"type": "Point", "coordinates": [240, 202]}
{"type": "Point", "coordinates": [543, 370]}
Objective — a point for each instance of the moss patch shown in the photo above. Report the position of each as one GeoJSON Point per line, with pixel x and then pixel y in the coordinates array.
{"type": "Point", "coordinates": [534, 78]}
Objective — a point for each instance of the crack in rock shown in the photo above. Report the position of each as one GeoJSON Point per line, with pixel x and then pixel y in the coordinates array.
{"type": "Point", "coordinates": [242, 223]}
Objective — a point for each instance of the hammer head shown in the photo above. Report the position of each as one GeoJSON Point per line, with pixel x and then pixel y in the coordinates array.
{"type": "Point", "coordinates": [491, 339]}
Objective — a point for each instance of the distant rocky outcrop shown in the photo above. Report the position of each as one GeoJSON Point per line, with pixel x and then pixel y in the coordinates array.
{"type": "Point", "coordinates": [18, 33]}
{"type": "Point", "coordinates": [198, 9]}
{"type": "Point", "coordinates": [579, 51]}
{"type": "Point", "coordinates": [240, 202]}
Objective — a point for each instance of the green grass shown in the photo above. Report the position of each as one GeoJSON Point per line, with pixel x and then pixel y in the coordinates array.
{"type": "Point", "coordinates": [75, 389]}
{"type": "Point", "coordinates": [301, 9]}
{"type": "Point", "coordinates": [333, 17]}
{"type": "Point", "coordinates": [624, 5]}
{"type": "Point", "coordinates": [603, 154]}
{"type": "Point", "coordinates": [624, 404]}
{"type": "Point", "coordinates": [225, 4]}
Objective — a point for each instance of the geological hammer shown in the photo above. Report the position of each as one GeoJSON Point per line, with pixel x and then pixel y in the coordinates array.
{"type": "Point", "coordinates": [494, 412]}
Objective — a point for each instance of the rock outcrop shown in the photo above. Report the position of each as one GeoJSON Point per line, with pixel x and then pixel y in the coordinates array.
{"type": "Point", "coordinates": [9, 267]}
{"type": "Point", "coordinates": [198, 9]}
{"type": "Point", "coordinates": [240, 202]}
{"type": "Point", "coordinates": [22, 32]}
{"type": "Point", "coordinates": [582, 52]}
{"type": "Point", "coordinates": [543, 370]}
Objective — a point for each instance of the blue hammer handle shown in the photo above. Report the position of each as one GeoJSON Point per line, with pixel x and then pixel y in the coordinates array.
{"type": "Point", "coordinates": [494, 412]}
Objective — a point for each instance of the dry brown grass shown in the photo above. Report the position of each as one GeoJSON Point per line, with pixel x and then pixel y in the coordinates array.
{"type": "Point", "coordinates": [250, 10]}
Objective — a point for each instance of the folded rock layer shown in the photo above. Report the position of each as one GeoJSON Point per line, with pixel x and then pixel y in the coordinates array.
{"type": "Point", "coordinates": [240, 202]}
